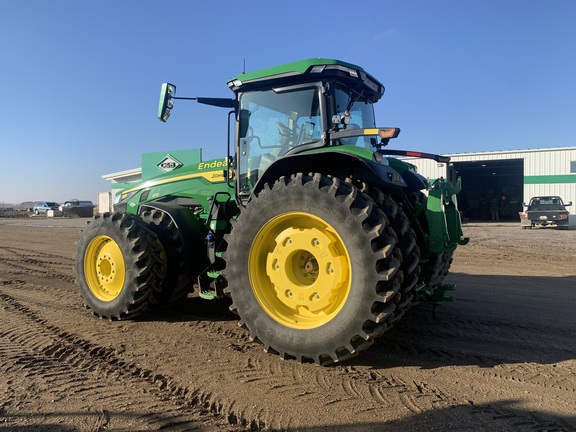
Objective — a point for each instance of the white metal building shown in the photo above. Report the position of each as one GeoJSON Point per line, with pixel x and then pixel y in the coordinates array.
{"type": "Point", "coordinates": [512, 176]}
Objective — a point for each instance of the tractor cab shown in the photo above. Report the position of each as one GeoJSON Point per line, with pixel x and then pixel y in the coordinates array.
{"type": "Point", "coordinates": [296, 107]}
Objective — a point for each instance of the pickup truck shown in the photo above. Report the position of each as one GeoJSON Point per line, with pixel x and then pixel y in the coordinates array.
{"type": "Point", "coordinates": [545, 210]}
{"type": "Point", "coordinates": [76, 208]}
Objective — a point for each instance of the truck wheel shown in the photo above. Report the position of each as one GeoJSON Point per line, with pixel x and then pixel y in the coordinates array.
{"type": "Point", "coordinates": [117, 265]}
{"type": "Point", "coordinates": [176, 279]}
{"type": "Point", "coordinates": [312, 269]}
{"type": "Point", "coordinates": [409, 252]}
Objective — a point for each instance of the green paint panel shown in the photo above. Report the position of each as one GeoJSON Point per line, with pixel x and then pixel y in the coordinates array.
{"type": "Point", "coordinates": [545, 179]}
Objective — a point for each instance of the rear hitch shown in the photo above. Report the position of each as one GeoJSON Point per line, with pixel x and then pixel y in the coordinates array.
{"type": "Point", "coordinates": [435, 297]}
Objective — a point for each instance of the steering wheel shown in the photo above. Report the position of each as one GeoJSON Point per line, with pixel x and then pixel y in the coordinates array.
{"type": "Point", "coordinates": [286, 132]}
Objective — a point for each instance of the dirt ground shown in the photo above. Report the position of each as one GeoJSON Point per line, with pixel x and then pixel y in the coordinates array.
{"type": "Point", "coordinates": [502, 357]}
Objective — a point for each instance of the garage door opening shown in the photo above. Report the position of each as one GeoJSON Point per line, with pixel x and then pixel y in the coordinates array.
{"type": "Point", "coordinates": [491, 190]}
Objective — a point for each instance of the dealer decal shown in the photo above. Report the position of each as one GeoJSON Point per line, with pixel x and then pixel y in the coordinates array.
{"type": "Point", "coordinates": [169, 163]}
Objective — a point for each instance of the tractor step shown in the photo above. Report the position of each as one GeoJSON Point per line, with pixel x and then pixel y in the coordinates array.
{"type": "Point", "coordinates": [211, 285]}
{"type": "Point", "coordinates": [208, 295]}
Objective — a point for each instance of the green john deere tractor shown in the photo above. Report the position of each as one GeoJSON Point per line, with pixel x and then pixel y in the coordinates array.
{"type": "Point", "coordinates": [318, 234]}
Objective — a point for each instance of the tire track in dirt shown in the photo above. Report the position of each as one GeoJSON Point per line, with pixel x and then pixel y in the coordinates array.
{"type": "Point", "coordinates": [344, 391]}
{"type": "Point", "coordinates": [505, 338]}
{"type": "Point", "coordinates": [19, 261]}
{"type": "Point", "coordinates": [304, 388]}
{"type": "Point", "coordinates": [40, 356]}
{"type": "Point", "coordinates": [350, 391]}
{"type": "Point", "coordinates": [287, 383]}
{"type": "Point", "coordinates": [557, 376]}
{"type": "Point", "coordinates": [224, 360]}
{"type": "Point", "coordinates": [341, 392]}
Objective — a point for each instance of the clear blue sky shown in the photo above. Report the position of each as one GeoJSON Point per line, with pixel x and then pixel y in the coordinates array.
{"type": "Point", "coordinates": [80, 80]}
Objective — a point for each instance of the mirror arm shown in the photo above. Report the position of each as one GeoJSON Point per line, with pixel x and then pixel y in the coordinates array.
{"type": "Point", "coordinates": [219, 102]}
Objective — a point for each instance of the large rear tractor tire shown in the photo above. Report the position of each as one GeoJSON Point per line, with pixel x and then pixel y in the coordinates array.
{"type": "Point", "coordinates": [118, 266]}
{"type": "Point", "coordinates": [312, 269]}
{"type": "Point", "coordinates": [176, 278]}
{"type": "Point", "coordinates": [407, 248]}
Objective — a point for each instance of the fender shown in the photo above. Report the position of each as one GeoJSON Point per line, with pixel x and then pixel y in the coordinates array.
{"type": "Point", "coordinates": [192, 230]}
{"type": "Point", "coordinates": [335, 163]}
{"type": "Point", "coordinates": [415, 181]}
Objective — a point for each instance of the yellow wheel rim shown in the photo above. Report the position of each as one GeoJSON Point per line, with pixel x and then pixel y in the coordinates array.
{"type": "Point", "coordinates": [104, 268]}
{"type": "Point", "coordinates": [299, 270]}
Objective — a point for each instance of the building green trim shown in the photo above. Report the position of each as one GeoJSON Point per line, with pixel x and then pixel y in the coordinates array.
{"type": "Point", "coordinates": [545, 179]}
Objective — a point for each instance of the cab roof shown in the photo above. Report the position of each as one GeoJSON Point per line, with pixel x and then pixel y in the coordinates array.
{"type": "Point", "coordinates": [308, 70]}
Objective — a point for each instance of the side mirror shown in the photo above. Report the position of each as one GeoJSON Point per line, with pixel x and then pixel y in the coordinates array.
{"type": "Point", "coordinates": [568, 203]}
{"type": "Point", "coordinates": [167, 93]}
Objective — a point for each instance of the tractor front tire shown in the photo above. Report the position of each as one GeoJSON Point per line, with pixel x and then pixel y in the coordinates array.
{"type": "Point", "coordinates": [118, 266]}
{"type": "Point", "coordinates": [312, 269]}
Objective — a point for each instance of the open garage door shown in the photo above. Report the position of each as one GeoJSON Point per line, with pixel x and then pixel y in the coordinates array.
{"type": "Point", "coordinates": [491, 189]}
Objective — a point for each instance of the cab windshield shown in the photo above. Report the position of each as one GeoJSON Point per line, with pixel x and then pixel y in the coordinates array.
{"type": "Point", "coordinates": [277, 121]}
{"type": "Point", "coordinates": [361, 114]}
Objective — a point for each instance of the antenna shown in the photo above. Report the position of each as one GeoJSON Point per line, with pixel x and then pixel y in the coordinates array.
{"type": "Point", "coordinates": [244, 67]}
